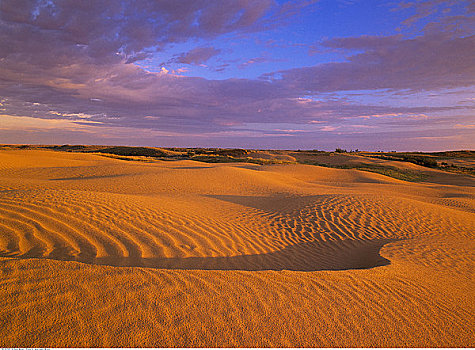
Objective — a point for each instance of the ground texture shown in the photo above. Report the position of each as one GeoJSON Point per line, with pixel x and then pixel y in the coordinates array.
{"type": "Point", "coordinates": [97, 251]}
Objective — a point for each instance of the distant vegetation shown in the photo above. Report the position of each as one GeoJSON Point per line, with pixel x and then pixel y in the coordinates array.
{"type": "Point", "coordinates": [436, 160]}
{"type": "Point", "coordinates": [337, 159]}
{"type": "Point", "coordinates": [424, 160]}
{"type": "Point", "coordinates": [118, 150]}
{"type": "Point", "coordinates": [341, 150]}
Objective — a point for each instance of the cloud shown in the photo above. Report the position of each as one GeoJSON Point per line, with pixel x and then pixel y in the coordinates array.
{"type": "Point", "coordinates": [258, 60]}
{"type": "Point", "coordinates": [43, 39]}
{"type": "Point", "coordinates": [69, 53]}
{"type": "Point", "coordinates": [438, 10]}
{"type": "Point", "coordinates": [427, 62]}
{"type": "Point", "coordinates": [107, 26]}
{"type": "Point", "coordinates": [466, 126]}
{"type": "Point", "coordinates": [197, 56]}
{"type": "Point", "coordinates": [393, 115]}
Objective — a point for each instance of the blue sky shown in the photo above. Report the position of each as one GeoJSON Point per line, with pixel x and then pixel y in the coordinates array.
{"type": "Point", "coordinates": [375, 75]}
{"type": "Point", "coordinates": [294, 44]}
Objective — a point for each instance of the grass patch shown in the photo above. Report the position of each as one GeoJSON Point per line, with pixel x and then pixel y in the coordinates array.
{"type": "Point", "coordinates": [406, 175]}
{"type": "Point", "coordinates": [399, 174]}
{"type": "Point", "coordinates": [458, 169]}
{"type": "Point", "coordinates": [230, 159]}
{"type": "Point", "coordinates": [127, 158]}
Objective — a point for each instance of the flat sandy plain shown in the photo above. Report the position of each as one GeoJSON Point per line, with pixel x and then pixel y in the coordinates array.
{"type": "Point", "coordinates": [96, 251]}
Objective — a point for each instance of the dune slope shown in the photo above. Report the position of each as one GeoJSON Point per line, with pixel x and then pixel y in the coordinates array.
{"type": "Point", "coordinates": [97, 251]}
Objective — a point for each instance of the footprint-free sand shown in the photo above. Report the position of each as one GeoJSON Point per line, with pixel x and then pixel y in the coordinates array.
{"type": "Point", "coordinates": [96, 251]}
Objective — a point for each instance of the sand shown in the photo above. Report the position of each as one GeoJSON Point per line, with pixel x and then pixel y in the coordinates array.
{"type": "Point", "coordinates": [96, 251]}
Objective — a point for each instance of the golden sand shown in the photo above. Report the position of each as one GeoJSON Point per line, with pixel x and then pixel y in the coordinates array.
{"type": "Point", "coordinates": [97, 251]}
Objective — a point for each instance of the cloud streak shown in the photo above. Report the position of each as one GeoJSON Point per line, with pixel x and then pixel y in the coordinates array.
{"type": "Point", "coordinates": [198, 55]}
{"type": "Point", "coordinates": [428, 62]}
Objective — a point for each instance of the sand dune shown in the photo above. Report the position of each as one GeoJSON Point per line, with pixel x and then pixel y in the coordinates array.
{"type": "Point", "coordinates": [97, 251]}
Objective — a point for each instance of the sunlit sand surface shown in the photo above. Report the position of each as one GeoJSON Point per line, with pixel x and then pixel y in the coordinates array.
{"type": "Point", "coordinates": [96, 251]}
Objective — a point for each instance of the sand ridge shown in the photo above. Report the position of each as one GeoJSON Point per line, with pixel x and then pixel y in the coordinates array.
{"type": "Point", "coordinates": [332, 257]}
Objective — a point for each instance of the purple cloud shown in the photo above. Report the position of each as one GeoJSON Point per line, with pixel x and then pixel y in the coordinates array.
{"type": "Point", "coordinates": [257, 60]}
{"type": "Point", "coordinates": [108, 31]}
{"type": "Point", "coordinates": [197, 56]}
{"type": "Point", "coordinates": [428, 62]}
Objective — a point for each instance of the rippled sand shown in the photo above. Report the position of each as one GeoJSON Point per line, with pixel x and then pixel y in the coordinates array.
{"type": "Point", "coordinates": [103, 252]}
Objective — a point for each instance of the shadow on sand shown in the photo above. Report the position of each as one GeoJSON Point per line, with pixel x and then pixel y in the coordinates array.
{"type": "Point", "coordinates": [311, 256]}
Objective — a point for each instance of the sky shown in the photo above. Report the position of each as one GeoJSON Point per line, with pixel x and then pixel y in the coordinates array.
{"type": "Point", "coordinates": [266, 74]}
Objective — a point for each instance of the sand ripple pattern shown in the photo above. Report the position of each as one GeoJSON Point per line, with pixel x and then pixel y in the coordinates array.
{"type": "Point", "coordinates": [175, 308]}
{"type": "Point", "coordinates": [230, 256]}
{"type": "Point", "coordinates": [324, 232]}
